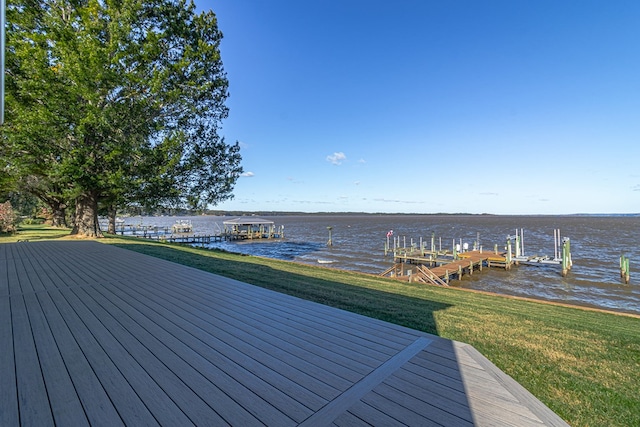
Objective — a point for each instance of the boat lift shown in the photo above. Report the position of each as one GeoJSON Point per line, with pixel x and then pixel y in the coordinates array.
{"type": "Point", "coordinates": [561, 254]}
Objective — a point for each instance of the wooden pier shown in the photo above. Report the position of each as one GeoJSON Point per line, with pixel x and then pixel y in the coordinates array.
{"type": "Point", "coordinates": [439, 271]}
{"type": "Point", "coordinates": [439, 267]}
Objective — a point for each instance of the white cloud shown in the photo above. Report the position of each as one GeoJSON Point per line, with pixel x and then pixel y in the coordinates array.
{"type": "Point", "coordinates": [248, 174]}
{"type": "Point", "coordinates": [409, 202]}
{"type": "Point", "coordinates": [336, 158]}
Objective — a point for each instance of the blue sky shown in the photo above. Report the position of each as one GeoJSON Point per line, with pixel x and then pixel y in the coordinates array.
{"type": "Point", "coordinates": [424, 106]}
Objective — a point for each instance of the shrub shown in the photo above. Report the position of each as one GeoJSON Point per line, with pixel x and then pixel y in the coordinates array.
{"type": "Point", "coordinates": [33, 221]}
{"type": "Point", "coordinates": [7, 218]}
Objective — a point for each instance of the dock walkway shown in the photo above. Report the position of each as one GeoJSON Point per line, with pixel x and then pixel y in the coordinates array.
{"type": "Point", "coordinates": [92, 334]}
{"type": "Point", "coordinates": [463, 265]}
{"type": "Point", "coordinates": [443, 269]}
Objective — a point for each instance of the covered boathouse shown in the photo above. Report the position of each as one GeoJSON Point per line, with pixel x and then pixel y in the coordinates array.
{"type": "Point", "coordinates": [250, 227]}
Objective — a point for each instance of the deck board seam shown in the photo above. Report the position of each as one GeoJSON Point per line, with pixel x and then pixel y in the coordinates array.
{"type": "Point", "coordinates": [357, 391]}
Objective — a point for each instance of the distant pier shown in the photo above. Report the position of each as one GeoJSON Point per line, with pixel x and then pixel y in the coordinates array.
{"type": "Point", "coordinates": [243, 228]}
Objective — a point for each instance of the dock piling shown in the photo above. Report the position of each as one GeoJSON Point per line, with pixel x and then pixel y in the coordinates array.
{"type": "Point", "coordinates": [566, 256]}
{"type": "Point", "coordinates": [624, 268]}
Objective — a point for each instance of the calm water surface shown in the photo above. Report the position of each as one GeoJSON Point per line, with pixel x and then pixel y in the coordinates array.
{"type": "Point", "coordinates": [358, 244]}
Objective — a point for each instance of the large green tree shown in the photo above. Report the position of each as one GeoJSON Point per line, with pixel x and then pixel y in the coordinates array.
{"type": "Point", "coordinates": [116, 102]}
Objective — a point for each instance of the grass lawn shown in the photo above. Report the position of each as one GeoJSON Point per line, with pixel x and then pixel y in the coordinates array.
{"type": "Point", "coordinates": [583, 364]}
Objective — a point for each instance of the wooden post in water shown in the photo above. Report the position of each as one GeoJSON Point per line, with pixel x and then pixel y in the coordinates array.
{"type": "Point", "coordinates": [330, 242]}
{"type": "Point", "coordinates": [627, 272]}
{"type": "Point", "coordinates": [508, 260]}
{"type": "Point", "coordinates": [624, 268]}
{"type": "Point", "coordinates": [566, 256]}
{"type": "Point", "coordinates": [386, 246]}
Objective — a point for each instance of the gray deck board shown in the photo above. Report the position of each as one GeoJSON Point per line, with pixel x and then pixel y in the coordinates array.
{"type": "Point", "coordinates": [96, 335]}
{"type": "Point", "coordinates": [9, 413]}
{"type": "Point", "coordinates": [129, 405]}
{"type": "Point", "coordinates": [32, 394]}
{"type": "Point", "coordinates": [64, 401]}
{"type": "Point", "coordinates": [95, 401]}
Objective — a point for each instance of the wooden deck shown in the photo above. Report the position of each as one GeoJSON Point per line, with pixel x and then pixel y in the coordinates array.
{"type": "Point", "coordinates": [96, 335]}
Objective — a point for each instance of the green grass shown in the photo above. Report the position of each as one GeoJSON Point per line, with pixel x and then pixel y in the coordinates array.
{"type": "Point", "coordinates": [34, 232]}
{"type": "Point", "coordinates": [583, 364]}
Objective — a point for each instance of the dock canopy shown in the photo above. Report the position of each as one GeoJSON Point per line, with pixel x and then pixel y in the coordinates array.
{"type": "Point", "coordinates": [251, 227]}
{"type": "Point", "coordinates": [248, 221]}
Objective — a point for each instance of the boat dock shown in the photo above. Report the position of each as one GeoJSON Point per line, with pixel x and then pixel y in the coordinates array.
{"type": "Point", "coordinates": [182, 231]}
{"type": "Point", "coordinates": [439, 271]}
{"type": "Point", "coordinates": [439, 267]}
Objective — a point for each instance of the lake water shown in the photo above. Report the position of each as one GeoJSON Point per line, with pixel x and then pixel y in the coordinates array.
{"type": "Point", "coordinates": [358, 244]}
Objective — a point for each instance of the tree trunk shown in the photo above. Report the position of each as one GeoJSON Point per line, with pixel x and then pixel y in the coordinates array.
{"type": "Point", "coordinates": [86, 217]}
{"type": "Point", "coordinates": [58, 214]}
{"type": "Point", "coordinates": [112, 219]}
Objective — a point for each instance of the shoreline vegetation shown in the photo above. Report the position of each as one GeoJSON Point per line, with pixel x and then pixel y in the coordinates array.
{"type": "Point", "coordinates": [582, 363]}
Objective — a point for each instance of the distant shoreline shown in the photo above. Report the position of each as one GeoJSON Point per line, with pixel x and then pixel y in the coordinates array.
{"type": "Point", "coordinates": [456, 214]}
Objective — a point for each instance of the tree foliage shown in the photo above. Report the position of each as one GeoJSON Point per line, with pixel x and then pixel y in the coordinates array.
{"type": "Point", "coordinates": [115, 102]}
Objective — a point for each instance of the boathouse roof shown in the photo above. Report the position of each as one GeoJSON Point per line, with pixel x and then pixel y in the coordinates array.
{"type": "Point", "coordinates": [248, 220]}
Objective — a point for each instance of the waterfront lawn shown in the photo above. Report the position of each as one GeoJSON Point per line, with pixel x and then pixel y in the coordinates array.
{"type": "Point", "coordinates": [583, 364]}
{"type": "Point", "coordinates": [34, 232]}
